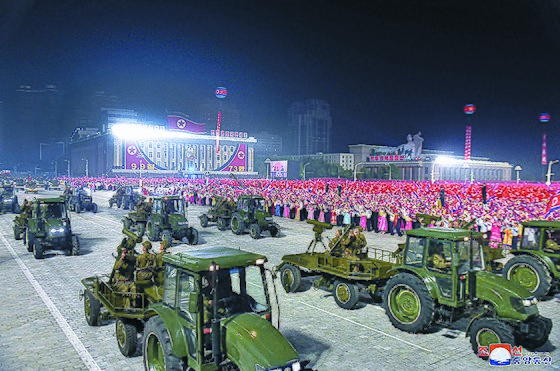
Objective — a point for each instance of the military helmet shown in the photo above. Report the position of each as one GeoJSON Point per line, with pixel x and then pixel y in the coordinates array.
{"type": "Point", "coordinates": [165, 244]}
{"type": "Point", "coordinates": [147, 245]}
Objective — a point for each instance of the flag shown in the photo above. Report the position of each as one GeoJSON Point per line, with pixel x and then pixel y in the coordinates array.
{"type": "Point", "coordinates": [180, 122]}
{"type": "Point", "coordinates": [543, 153]}
{"type": "Point", "coordinates": [553, 204]}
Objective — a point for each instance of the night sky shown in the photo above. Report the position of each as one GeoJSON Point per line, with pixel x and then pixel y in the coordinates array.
{"type": "Point", "coordinates": [387, 68]}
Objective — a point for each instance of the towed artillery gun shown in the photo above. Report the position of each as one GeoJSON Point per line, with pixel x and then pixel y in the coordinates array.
{"type": "Point", "coordinates": [48, 228]}
{"type": "Point", "coordinates": [136, 219]}
{"type": "Point", "coordinates": [79, 199]}
{"type": "Point", "coordinates": [441, 279]}
{"type": "Point", "coordinates": [30, 187]}
{"type": "Point", "coordinates": [214, 302]}
{"type": "Point", "coordinates": [168, 221]}
{"type": "Point", "coordinates": [220, 213]}
{"type": "Point", "coordinates": [250, 213]}
{"type": "Point", "coordinates": [126, 197]}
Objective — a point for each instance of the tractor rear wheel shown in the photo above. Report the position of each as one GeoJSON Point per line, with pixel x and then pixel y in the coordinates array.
{"type": "Point", "coordinates": [158, 353]}
{"type": "Point", "coordinates": [274, 231]}
{"type": "Point", "coordinates": [92, 306]}
{"type": "Point", "coordinates": [529, 272]}
{"type": "Point", "coordinates": [345, 294]}
{"type": "Point", "coordinates": [237, 225]}
{"type": "Point", "coordinates": [408, 303]}
{"type": "Point", "coordinates": [152, 231]}
{"type": "Point", "coordinates": [127, 337]}
{"type": "Point", "coordinates": [290, 277]}
{"type": "Point", "coordinates": [75, 245]}
{"type": "Point", "coordinates": [486, 331]}
{"type": "Point", "coordinates": [30, 241]}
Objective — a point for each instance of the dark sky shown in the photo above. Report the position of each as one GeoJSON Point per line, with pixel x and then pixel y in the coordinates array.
{"type": "Point", "coordinates": [387, 67]}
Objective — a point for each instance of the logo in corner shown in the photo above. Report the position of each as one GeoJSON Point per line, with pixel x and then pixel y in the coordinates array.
{"type": "Point", "coordinates": [500, 355]}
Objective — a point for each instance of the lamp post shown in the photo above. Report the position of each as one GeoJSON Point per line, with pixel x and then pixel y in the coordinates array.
{"type": "Point", "coordinates": [517, 170]}
{"type": "Point", "coordinates": [87, 166]}
{"type": "Point", "coordinates": [267, 162]}
{"type": "Point", "coordinates": [304, 166]}
{"type": "Point", "coordinates": [548, 174]}
{"type": "Point", "coordinates": [337, 170]}
{"type": "Point", "coordinates": [68, 168]}
{"type": "Point", "coordinates": [55, 168]}
{"type": "Point", "coordinates": [356, 169]}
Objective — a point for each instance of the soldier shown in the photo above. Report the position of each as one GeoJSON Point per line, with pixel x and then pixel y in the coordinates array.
{"type": "Point", "coordinates": [145, 263]}
{"type": "Point", "coordinates": [123, 277]}
{"type": "Point", "coordinates": [347, 244]}
{"type": "Point", "coordinates": [158, 263]}
{"type": "Point", "coordinates": [360, 241]}
{"type": "Point", "coordinates": [334, 246]}
{"type": "Point", "coordinates": [124, 243]}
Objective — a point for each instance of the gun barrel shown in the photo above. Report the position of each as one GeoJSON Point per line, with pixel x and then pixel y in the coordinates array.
{"type": "Point", "coordinates": [133, 236]}
{"type": "Point", "coordinates": [320, 224]}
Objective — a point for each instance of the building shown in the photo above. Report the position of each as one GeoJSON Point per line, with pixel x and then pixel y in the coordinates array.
{"type": "Point", "coordinates": [344, 160]}
{"type": "Point", "coordinates": [309, 127]}
{"type": "Point", "coordinates": [179, 147]}
{"type": "Point", "coordinates": [427, 164]}
{"type": "Point", "coordinates": [268, 144]}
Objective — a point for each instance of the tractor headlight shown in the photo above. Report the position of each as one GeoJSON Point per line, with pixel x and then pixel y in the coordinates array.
{"type": "Point", "coordinates": [57, 232]}
{"type": "Point", "coordinates": [526, 302]}
{"type": "Point", "coordinates": [259, 261]}
{"type": "Point", "coordinates": [268, 218]}
{"type": "Point", "coordinates": [296, 366]}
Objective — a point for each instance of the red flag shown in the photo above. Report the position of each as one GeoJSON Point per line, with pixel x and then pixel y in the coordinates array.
{"type": "Point", "coordinates": [553, 204]}
{"type": "Point", "coordinates": [543, 155]}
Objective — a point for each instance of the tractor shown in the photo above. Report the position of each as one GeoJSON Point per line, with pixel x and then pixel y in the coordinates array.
{"type": "Point", "coordinates": [219, 213]}
{"type": "Point", "coordinates": [168, 221]}
{"type": "Point", "coordinates": [250, 213]}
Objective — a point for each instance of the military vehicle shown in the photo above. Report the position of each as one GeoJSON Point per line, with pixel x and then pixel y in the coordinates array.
{"type": "Point", "coordinates": [183, 329]}
{"type": "Point", "coordinates": [49, 228]}
{"type": "Point", "coordinates": [250, 213]}
{"type": "Point", "coordinates": [442, 279]}
{"type": "Point", "coordinates": [136, 220]}
{"type": "Point", "coordinates": [80, 200]}
{"type": "Point", "coordinates": [55, 184]}
{"type": "Point", "coordinates": [168, 221]}
{"type": "Point", "coordinates": [20, 184]}
{"type": "Point", "coordinates": [220, 213]}
{"type": "Point", "coordinates": [536, 264]}
{"type": "Point", "coordinates": [9, 199]}
{"type": "Point", "coordinates": [126, 197]}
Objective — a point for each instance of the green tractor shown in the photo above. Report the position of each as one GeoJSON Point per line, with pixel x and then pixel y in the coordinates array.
{"type": "Point", "coordinates": [79, 199]}
{"type": "Point", "coordinates": [250, 213]}
{"type": "Point", "coordinates": [536, 264]}
{"type": "Point", "coordinates": [136, 220]}
{"type": "Point", "coordinates": [49, 228]}
{"type": "Point", "coordinates": [440, 278]}
{"type": "Point", "coordinates": [220, 213]}
{"type": "Point", "coordinates": [215, 314]}
{"type": "Point", "coordinates": [168, 221]}
{"type": "Point", "coordinates": [8, 199]}
{"type": "Point", "coordinates": [343, 268]}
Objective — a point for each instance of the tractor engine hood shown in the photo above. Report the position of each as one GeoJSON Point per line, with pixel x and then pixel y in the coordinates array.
{"type": "Point", "coordinates": [509, 300]}
{"type": "Point", "coordinates": [253, 343]}
{"type": "Point", "coordinates": [178, 221]}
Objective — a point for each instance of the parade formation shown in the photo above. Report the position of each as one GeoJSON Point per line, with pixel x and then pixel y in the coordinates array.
{"type": "Point", "coordinates": [463, 262]}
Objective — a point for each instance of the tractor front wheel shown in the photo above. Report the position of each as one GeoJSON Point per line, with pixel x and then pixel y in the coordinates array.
{"type": "Point", "coordinates": [204, 220]}
{"type": "Point", "coordinates": [222, 224]}
{"type": "Point", "coordinates": [486, 331]}
{"type": "Point", "coordinates": [237, 225]}
{"type": "Point", "coordinates": [539, 330]}
{"type": "Point", "coordinates": [158, 353]}
{"type": "Point", "coordinates": [255, 231]}
{"type": "Point", "coordinates": [38, 248]}
{"type": "Point", "coordinates": [193, 236]}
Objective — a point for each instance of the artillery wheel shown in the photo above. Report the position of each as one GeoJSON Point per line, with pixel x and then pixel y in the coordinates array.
{"type": "Point", "coordinates": [408, 303]}
{"type": "Point", "coordinates": [158, 353]}
{"type": "Point", "coordinates": [152, 231]}
{"type": "Point", "coordinates": [38, 248]}
{"type": "Point", "coordinates": [345, 294]}
{"type": "Point", "coordinates": [204, 220]}
{"type": "Point", "coordinates": [92, 306]}
{"type": "Point", "coordinates": [486, 331]}
{"type": "Point", "coordinates": [30, 241]}
{"type": "Point", "coordinates": [75, 245]}
{"type": "Point", "coordinates": [193, 237]}
{"type": "Point", "coordinates": [529, 272]}
{"type": "Point", "coordinates": [255, 231]}
{"type": "Point", "coordinates": [222, 224]}
{"type": "Point", "coordinates": [237, 225]}
{"type": "Point", "coordinates": [127, 337]}
{"type": "Point", "coordinates": [17, 233]}
{"type": "Point", "coordinates": [539, 330]}
{"type": "Point", "coordinates": [290, 277]}
{"type": "Point", "coordinates": [274, 231]}
{"type": "Point", "coordinates": [94, 208]}
{"type": "Point", "coordinates": [126, 223]}
{"type": "Point", "coordinates": [167, 236]}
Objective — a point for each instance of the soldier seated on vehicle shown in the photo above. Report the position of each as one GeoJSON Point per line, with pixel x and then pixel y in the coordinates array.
{"type": "Point", "coordinates": [436, 257]}
{"type": "Point", "coordinates": [334, 244]}
{"type": "Point", "coordinates": [348, 245]}
{"type": "Point", "coordinates": [359, 244]}
{"type": "Point", "coordinates": [145, 263]}
{"type": "Point", "coordinates": [158, 267]}
{"type": "Point", "coordinates": [551, 244]}
{"type": "Point", "coordinates": [123, 277]}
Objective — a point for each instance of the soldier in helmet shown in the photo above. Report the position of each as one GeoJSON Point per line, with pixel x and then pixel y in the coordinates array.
{"type": "Point", "coordinates": [158, 263]}
{"type": "Point", "coordinates": [123, 276]}
{"type": "Point", "coordinates": [334, 244]}
{"type": "Point", "coordinates": [145, 263]}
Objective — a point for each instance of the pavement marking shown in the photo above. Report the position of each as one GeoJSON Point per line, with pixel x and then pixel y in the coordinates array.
{"type": "Point", "coordinates": [364, 326]}
{"type": "Point", "coordinates": [62, 323]}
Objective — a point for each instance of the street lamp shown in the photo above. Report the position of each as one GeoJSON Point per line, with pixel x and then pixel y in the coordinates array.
{"type": "Point", "coordinates": [517, 170]}
{"type": "Point", "coordinates": [87, 166]}
{"type": "Point", "coordinates": [267, 162]}
{"type": "Point", "coordinates": [304, 166]}
{"type": "Point", "coordinates": [68, 169]}
{"type": "Point", "coordinates": [356, 169]}
{"type": "Point", "coordinates": [548, 174]}
{"type": "Point", "coordinates": [55, 168]}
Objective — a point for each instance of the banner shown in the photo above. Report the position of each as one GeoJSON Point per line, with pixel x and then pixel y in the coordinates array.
{"type": "Point", "coordinates": [543, 154]}
{"type": "Point", "coordinates": [135, 158]}
{"type": "Point", "coordinates": [468, 133]}
{"type": "Point", "coordinates": [238, 161]}
{"type": "Point", "coordinates": [180, 122]}
{"type": "Point", "coordinates": [279, 169]}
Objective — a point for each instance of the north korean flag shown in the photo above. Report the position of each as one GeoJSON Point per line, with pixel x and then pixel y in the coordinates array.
{"type": "Point", "coordinates": [553, 204]}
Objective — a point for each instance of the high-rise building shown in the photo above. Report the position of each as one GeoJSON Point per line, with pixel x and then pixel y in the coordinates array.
{"type": "Point", "coordinates": [309, 128]}
{"type": "Point", "coordinates": [231, 117]}
{"type": "Point", "coordinates": [268, 144]}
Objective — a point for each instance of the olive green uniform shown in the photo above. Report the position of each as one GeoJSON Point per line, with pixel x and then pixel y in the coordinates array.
{"type": "Point", "coordinates": [144, 266]}
{"type": "Point", "coordinates": [123, 278]}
